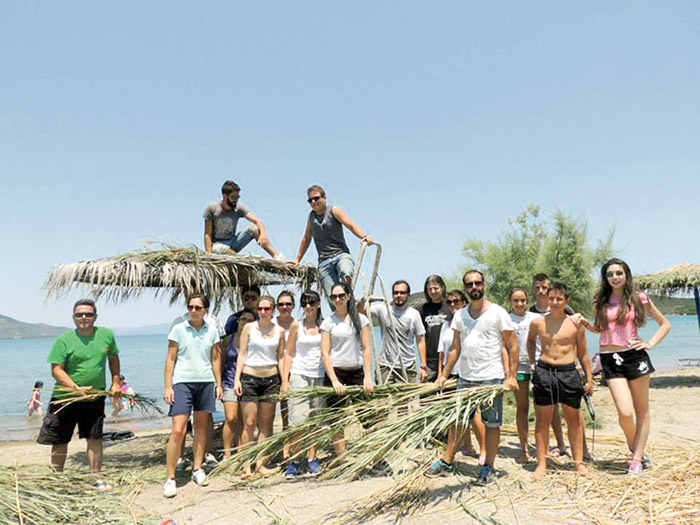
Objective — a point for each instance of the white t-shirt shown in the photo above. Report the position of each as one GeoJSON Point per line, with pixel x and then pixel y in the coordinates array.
{"type": "Point", "coordinates": [481, 358]}
{"type": "Point", "coordinates": [408, 325]}
{"type": "Point", "coordinates": [307, 359]}
{"type": "Point", "coordinates": [521, 324]}
{"type": "Point", "coordinates": [346, 350]}
{"type": "Point", "coordinates": [447, 335]}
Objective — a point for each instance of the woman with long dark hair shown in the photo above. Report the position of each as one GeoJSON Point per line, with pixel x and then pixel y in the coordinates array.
{"type": "Point", "coordinates": [303, 368]}
{"type": "Point", "coordinates": [619, 311]}
{"type": "Point", "coordinates": [434, 312]}
{"type": "Point", "coordinates": [345, 347]}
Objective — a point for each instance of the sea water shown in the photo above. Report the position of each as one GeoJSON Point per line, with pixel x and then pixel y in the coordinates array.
{"type": "Point", "coordinates": [143, 361]}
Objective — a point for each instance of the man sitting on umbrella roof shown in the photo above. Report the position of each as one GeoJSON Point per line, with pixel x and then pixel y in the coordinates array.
{"type": "Point", "coordinates": [221, 219]}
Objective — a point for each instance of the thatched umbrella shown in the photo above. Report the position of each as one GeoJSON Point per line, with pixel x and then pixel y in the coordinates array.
{"type": "Point", "coordinates": [176, 271]}
{"type": "Point", "coordinates": [680, 278]}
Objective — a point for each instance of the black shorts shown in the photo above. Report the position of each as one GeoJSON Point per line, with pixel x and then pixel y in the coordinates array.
{"type": "Point", "coordinates": [260, 388]}
{"type": "Point", "coordinates": [59, 423]}
{"type": "Point", "coordinates": [552, 384]}
{"type": "Point", "coordinates": [349, 377]}
{"type": "Point", "coordinates": [193, 396]}
{"type": "Point", "coordinates": [630, 364]}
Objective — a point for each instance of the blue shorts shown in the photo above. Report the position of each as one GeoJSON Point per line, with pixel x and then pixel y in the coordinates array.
{"type": "Point", "coordinates": [491, 414]}
{"type": "Point", "coordinates": [239, 241]}
{"type": "Point", "coordinates": [200, 397]}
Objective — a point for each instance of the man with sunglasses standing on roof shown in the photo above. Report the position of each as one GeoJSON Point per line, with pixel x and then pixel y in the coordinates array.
{"type": "Point", "coordinates": [325, 227]}
{"type": "Point", "coordinates": [221, 219]}
{"type": "Point", "coordinates": [78, 363]}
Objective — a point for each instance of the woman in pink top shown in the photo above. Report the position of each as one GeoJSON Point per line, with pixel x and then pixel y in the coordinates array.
{"type": "Point", "coordinates": [619, 311]}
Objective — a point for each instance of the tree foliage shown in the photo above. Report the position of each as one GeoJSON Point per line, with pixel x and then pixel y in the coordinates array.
{"type": "Point", "coordinates": [530, 245]}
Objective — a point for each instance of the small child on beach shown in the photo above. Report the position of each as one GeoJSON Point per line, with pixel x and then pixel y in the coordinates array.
{"type": "Point", "coordinates": [34, 404]}
{"type": "Point", "coordinates": [122, 402]}
{"type": "Point", "coordinates": [555, 378]}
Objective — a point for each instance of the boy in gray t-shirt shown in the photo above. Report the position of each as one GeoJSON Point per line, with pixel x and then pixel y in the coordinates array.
{"type": "Point", "coordinates": [221, 220]}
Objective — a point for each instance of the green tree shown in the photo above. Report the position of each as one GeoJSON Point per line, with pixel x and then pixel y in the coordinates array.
{"type": "Point", "coordinates": [529, 245]}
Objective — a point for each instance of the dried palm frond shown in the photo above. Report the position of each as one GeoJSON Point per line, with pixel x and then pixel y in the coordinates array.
{"type": "Point", "coordinates": [679, 278]}
{"type": "Point", "coordinates": [176, 271]}
{"type": "Point", "coordinates": [66, 396]}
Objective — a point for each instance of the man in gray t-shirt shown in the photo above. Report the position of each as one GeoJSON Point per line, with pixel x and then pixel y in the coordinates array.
{"type": "Point", "coordinates": [401, 328]}
{"type": "Point", "coordinates": [221, 220]}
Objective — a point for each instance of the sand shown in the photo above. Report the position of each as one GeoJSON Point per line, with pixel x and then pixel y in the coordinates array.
{"type": "Point", "coordinates": [674, 440]}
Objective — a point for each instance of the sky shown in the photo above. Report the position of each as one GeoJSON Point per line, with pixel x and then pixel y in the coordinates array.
{"type": "Point", "coordinates": [428, 122]}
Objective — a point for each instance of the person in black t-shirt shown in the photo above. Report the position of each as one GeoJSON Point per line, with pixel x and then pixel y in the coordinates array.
{"type": "Point", "coordinates": [434, 312]}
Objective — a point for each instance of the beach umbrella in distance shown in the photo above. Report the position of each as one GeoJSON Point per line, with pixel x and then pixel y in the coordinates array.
{"type": "Point", "coordinates": [176, 271]}
{"type": "Point", "coordinates": [680, 278]}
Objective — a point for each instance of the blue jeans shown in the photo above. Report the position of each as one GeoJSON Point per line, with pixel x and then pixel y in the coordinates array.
{"type": "Point", "coordinates": [491, 414]}
{"type": "Point", "coordinates": [239, 241]}
{"type": "Point", "coordinates": [334, 270]}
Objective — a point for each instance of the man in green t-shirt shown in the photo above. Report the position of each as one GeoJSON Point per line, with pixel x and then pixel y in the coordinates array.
{"type": "Point", "coordinates": [78, 361]}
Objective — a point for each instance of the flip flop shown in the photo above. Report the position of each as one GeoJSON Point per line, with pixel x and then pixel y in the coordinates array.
{"type": "Point", "coordinates": [101, 485]}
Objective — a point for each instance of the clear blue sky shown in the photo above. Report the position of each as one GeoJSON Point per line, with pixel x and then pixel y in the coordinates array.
{"type": "Point", "coordinates": [428, 122]}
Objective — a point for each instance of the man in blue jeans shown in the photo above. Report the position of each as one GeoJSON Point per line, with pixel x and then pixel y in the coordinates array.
{"type": "Point", "coordinates": [325, 227]}
{"type": "Point", "coordinates": [221, 219]}
{"type": "Point", "coordinates": [482, 329]}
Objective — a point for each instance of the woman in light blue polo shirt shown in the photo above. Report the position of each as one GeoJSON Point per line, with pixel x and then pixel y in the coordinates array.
{"type": "Point", "coordinates": [192, 382]}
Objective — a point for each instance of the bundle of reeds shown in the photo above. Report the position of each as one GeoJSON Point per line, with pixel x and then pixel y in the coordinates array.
{"type": "Point", "coordinates": [176, 271]}
{"type": "Point", "coordinates": [66, 396]}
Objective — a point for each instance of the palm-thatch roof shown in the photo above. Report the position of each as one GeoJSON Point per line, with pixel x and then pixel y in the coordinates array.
{"type": "Point", "coordinates": [680, 278]}
{"type": "Point", "coordinates": [176, 271]}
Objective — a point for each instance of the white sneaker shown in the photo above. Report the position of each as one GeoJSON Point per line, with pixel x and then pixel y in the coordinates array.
{"type": "Point", "coordinates": [280, 257]}
{"type": "Point", "coordinates": [200, 478]}
{"type": "Point", "coordinates": [210, 459]}
{"type": "Point", "coordinates": [170, 489]}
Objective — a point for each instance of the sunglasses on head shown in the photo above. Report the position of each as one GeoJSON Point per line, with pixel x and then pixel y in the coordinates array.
{"type": "Point", "coordinates": [80, 315]}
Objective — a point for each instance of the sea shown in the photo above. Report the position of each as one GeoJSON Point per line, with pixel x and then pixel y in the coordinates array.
{"type": "Point", "coordinates": [143, 360]}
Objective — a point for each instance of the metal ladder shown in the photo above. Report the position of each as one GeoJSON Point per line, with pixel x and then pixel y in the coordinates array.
{"type": "Point", "coordinates": [367, 295]}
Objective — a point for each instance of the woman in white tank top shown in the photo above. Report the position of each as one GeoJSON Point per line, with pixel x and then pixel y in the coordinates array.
{"type": "Point", "coordinates": [257, 385]}
{"type": "Point", "coordinates": [303, 368]}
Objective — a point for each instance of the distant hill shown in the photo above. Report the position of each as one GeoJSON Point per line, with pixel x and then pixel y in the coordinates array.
{"type": "Point", "coordinates": [14, 329]}
{"type": "Point", "coordinates": [155, 329]}
{"type": "Point", "coordinates": [674, 305]}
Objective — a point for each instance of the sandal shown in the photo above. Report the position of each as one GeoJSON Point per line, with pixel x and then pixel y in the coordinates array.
{"type": "Point", "coordinates": [101, 485]}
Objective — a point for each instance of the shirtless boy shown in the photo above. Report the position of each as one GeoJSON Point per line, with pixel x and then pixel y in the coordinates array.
{"type": "Point", "coordinates": [555, 378]}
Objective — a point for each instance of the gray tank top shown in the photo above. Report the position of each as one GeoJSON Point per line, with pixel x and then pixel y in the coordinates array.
{"type": "Point", "coordinates": [328, 234]}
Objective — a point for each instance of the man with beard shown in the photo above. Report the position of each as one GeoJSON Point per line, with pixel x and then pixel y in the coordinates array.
{"type": "Point", "coordinates": [221, 219]}
{"type": "Point", "coordinates": [482, 331]}
{"type": "Point", "coordinates": [401, 327]}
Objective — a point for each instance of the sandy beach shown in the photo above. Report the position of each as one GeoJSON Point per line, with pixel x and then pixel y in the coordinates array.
{"type": "Point", "coordinates": [669, 493]}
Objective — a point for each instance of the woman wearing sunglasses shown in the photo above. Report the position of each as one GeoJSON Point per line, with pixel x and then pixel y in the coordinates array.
{"type": "Point", "coordinates": [345, 347]}
{"type": "Point", "coordinates": [192, 382]}
{"type": "Point", "coordinates": [619, 311]}
{"type": "Point", "coordinates": [303, 368]}
{"type": "Point", "coordinates": [257, 383]}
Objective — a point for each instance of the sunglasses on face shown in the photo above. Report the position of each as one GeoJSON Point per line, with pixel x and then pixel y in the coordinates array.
{"type": "Point", "coordinates": [338, 296]}
{"type": "Point", "coordinates": [473, 284]}
{"type": "Point", "coordinates": [400, 292]}
{"type": "Point", "coordinates": [264, 308]}
{"type": "Point", "coordinates": [194, 308]}
{"type": "Point", "coordinates": [314, 199]}
{"type": "Point", "coordinates": [452, 302]}
{"type": "Point", "coordinates": [616, 273]}
{"type": "Point", "coordinates": [283, 305]}
{"type": "Point", "coordinates": [80, 315]}
{"type": "Point", "coordinates": [250, 297]}
{"type": "Point", "coordinates": [308, 303]}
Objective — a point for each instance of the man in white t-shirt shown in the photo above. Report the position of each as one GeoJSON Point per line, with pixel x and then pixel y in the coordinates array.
{"type": "Point", "coordinates": [401, 327]}
{"type": "Point", "coordinates": [482, 330]}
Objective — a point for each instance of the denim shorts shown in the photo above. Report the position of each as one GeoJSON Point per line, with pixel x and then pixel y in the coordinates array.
{"type": "Point", "coordinates": [331, 271]}
{"type": "Point", "coordinates": [256, 388]}
{"type": "Point", "coordinates": [491, 414]}
{"type": "Point", "coordinates": [239, 241]}
{"type": "Point", "coordinates": [200, 397]}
